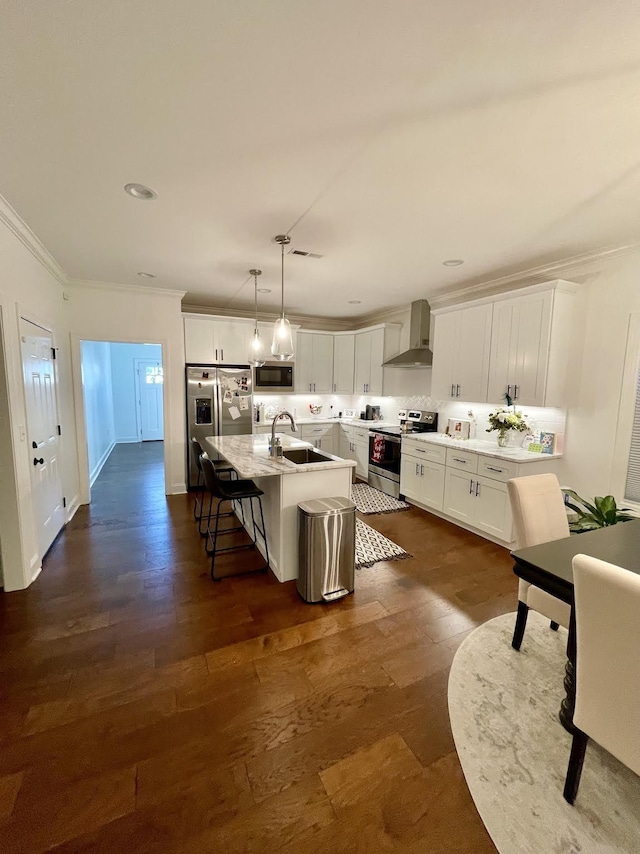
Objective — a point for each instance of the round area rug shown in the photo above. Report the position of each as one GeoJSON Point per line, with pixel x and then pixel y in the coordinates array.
{"type": "Point", "coordinates": [514, 752]}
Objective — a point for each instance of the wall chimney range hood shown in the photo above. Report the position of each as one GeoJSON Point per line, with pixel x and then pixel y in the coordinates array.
{"type": "Point", "coordinates": [418, 355]}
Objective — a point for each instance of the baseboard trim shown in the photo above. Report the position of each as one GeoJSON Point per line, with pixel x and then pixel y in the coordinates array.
{"type": "Point", "coordinates": [128, 440]}
{"type": "Point", "coordinates": [73, 507]}
{"type": "Point", "coordinates": [94, 474]}
{"type": "Point", "coordinates": [178, 489]}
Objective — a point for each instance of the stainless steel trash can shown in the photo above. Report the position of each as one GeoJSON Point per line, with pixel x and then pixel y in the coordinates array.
{"type": "Point", "coordinates": [326, 548]}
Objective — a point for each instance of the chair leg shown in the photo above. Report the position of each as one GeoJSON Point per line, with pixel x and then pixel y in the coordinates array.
{"type": "Point", "coordinates": [215, 543]}
{"type": "Point", "coordinates": [576, 761]}
{"type": "Point", "coordinates": [554, 626]}
{"type": "Point", "coordinates": [198, 495]}
{"type": "Point", "coordinates": [521, 623]}
{"type": "Point", "coordinates": [264, 533]}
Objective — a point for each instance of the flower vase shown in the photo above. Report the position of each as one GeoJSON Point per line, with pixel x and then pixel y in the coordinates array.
{"type": "Point", "coordinates": [503, 439]}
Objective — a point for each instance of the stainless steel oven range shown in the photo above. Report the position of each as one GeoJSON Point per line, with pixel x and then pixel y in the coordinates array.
{"type": "Point", "coordinates": [385, 444]}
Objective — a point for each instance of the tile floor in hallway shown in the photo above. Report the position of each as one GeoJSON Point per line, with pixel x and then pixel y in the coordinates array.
{"type": "Point", "coordinates": [145, 708]}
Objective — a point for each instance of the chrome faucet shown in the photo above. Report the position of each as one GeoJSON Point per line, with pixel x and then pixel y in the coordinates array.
{"type": "Point", "coordinates": [275, 449]}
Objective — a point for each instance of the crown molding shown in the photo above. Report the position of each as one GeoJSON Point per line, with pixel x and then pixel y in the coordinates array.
{"type": "Point", "coordinates": [18, 227]}
{"type": "Point", "coordinates": [530, 276]}
{"type": "Point", "coordinates": [116, 286]}
{"type": "Point", "coordinates": [304, 321]}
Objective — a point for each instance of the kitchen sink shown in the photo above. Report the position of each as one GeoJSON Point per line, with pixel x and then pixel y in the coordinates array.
{"type": "Point", "coordinates": [302, 456]}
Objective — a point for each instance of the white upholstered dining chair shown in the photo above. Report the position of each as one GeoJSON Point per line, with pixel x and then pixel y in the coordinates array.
{"type": "Point", "coordinates": [539, 516]}
{"type": "Point", "coordinates": [607, 605]}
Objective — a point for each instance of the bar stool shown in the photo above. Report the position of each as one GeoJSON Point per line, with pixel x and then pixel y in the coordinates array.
{"type": "Point", "coordinates": [230, 490]}
{"type": "Point", "coordinates": [220, 465]}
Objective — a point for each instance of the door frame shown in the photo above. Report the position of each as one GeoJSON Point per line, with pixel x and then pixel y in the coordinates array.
{"type": "Point", "coordinates": [78, 394]}
{"type": "Point", "coordinates": [136, 367]}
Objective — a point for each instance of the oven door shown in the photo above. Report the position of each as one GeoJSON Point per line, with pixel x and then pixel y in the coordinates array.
{"type": "Point", "coordinates": [384, 456]}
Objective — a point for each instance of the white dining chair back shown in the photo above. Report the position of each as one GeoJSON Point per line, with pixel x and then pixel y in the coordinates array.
{"type": "Point", "coordinates": [607, 609]}
{"type": "Point", "coordinates": [539, 516]}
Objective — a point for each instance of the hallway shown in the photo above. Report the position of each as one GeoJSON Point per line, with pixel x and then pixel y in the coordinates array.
{"type": "Point", "coordinates": [146, 708]}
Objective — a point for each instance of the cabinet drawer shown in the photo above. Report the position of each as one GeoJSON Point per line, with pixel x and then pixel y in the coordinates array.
{"type": "Point", "coordinates": [361, 435]}
{"type": "Point", "coordinates": [315, 431]}
{"type": "Point", "coordinates": [424, 451]}
{"type": "Point", "coordinates": [463, 460]}
{"type": "Point", "coordinates": [497, 469]}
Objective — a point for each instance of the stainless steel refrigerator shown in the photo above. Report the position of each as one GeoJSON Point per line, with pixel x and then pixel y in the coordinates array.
{"type": "Point", "coordinates": [219, 403]}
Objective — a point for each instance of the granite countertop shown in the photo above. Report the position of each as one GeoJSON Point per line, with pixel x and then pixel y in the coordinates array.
{"type": "Point", "coordinates": [318, 419]}
{"type": "Point", "coordinates": [249, 455]}
{"type": "Point", "coordinates": [484, 447]}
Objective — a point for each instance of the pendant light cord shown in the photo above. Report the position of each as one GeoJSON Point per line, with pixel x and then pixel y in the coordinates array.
{"type": "Point", "coordinates": [282, 280]}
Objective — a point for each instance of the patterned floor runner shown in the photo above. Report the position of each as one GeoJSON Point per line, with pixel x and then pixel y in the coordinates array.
{"type": "Point", "coordinates": [370, 500]}
{"type": "Point", "coordinates": [372, 546]}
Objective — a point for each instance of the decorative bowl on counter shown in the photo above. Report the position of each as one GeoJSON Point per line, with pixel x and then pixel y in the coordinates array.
{"type": "Point", "coordinates": [315, 409]}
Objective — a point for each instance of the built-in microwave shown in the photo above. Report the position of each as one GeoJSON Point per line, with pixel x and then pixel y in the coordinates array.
{"type": "Point", "coordinates": [273, 376]}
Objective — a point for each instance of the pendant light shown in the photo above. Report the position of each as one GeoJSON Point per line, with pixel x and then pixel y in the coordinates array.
{"type": "Point", "coordinates": [282, 345]}
{"type": "Point", "coordinates": [256, 349]}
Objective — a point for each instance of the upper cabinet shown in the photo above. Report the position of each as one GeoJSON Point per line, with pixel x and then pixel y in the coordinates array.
{"type": "Point", "coordinates": [519, 345]}
{"type": "Point", "coordinates": [461, 348]}
{"type": "Point", "coordinates": [372, 348]}
{"type": "Point", "coordinates": [314, 362]}
{"type": "Point", "coordinates": [217, 340]}
{"type": "Point", "coordinates": [343, 363]}
{"type": "Point", "coordinates": [531, 347]}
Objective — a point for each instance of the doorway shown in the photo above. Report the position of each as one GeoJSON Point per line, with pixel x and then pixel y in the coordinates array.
{"type": "Point", "coordinates": [123, 393]}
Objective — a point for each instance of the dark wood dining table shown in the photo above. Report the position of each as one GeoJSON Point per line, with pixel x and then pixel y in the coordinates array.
{"type": "Point", "coordinates": [548, 566]}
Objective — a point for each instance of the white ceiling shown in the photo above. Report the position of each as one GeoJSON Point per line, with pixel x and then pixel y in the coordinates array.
{"type": "Point", "coordinates": [504, 132]}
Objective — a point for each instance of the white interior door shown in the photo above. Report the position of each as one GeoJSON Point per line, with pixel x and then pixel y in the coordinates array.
{"type": "Point", "coordinates": [42, 425]}
{"type": "Point", "coordinates": [150, 384]}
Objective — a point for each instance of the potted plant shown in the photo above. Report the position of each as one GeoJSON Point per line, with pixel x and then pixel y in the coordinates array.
{"type": "Point", "coordinates": [504, 420]}
{"type": "Point", "coordinates": [602, 513]}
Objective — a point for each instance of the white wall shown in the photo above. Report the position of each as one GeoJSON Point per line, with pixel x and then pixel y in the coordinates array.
{"type": "Point", "coordinates": [98, 404]}
{"type": "Point", "coordinates": [118, 313]}
{"type": "Point", "coordinates": [30, 289]}
{"type": "Point", "coordinates": [123, 382]}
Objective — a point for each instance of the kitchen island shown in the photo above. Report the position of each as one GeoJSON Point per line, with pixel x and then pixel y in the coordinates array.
{"type": "Point", "coordinates": [284, 484]}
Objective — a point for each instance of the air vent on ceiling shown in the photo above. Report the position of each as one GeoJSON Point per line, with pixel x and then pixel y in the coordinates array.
{"type": "Point", "coordinates": [304, 254]}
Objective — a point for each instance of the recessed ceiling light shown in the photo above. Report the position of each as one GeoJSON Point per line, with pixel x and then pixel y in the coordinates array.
{"type": "Point", "coordinates": [147, 275]}
{"type": "Point", "coordinates": [355, 301]}
{"type": "Point", "coordinates": [453, 262]}
{"type": "Point", "coordinates": [264, 290]}
{"type": "Point", "coordinates": [139, 191]}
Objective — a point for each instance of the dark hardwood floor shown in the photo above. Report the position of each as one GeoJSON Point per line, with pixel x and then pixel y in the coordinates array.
{"type": "Point", "coordinates": [145, 708]}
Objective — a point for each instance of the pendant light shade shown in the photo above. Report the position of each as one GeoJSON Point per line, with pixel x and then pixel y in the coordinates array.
{"type": "Point", "coordinates": [282, 344]}
{"type": "Point", "coordinates": [256, 348]}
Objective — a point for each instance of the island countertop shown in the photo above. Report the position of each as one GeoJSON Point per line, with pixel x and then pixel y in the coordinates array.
{"type": "Point", "coordinates": [249, 455]}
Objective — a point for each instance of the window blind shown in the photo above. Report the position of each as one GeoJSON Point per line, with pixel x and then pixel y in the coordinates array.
{"type": "Point", "coordinates": [632, 487]}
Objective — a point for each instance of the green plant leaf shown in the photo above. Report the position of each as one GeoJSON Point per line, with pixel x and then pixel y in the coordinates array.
{"type": "Point", "coordinates": [582, 501]}
{"type": "Point", "coordinates": [576, 509]}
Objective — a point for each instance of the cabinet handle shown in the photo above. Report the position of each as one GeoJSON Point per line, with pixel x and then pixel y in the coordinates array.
{"type": "Point", "coordinates": [417, 472]}
{"type": "Point", "coordinates": [470, 487]}
{"type": "Point", "coordinates": [508, 391]}
{"type": "Point", "coordinates": [492, 468]}
{"type": "Point", "coordinates": [453, 390]}
{"type": "Point", "coordinates": [457, 391]}
{"type": "Point", "coordinates": [419, 450]}
{"type": "Point", "coordinates": [314, 386]}
{"type": "Point", "coordinates": [477, 488]}
{"type": "Point", "coordinates": [458, 460]}
{"type": "Point", "coordinates": [309, 386]}
{"type": "Point", "coordinates": [222, 354]}
{"type": "Point", "coordinates": [334, 388]}
{"type": "Point", "coordinates": [216, 354]}
{"type": "Point", "coordinates": [421, 471]}
{"type": "Point", "coordinates": [515, 392]}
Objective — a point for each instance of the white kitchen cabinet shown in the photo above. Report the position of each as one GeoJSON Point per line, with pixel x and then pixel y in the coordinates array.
{"type": "Point", "coordinates": [372, 348]}
{"type": "Point", "coordinates": [532, 342]}
{"type": "Point", "coordinates": [478, 501]}
{"type": "Point", "coordinates": [322, 436]}
{"type": "Point", "coordinates": [198, 340]}
{"type": "Point", "coordinates": [361, 450]}
{"type": "Point", "coordinates": [461, 351]}
{"type": "Point", "coordinates": [346, 446]}
{"type": "Point", "coordinates": [422, 480]}
{"type": "Point", "coordinates": [314, 363]}
{"type": "Point", "coordinates": [343, 363]}
{"type": "Point", "coordinates": [216, 340]}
